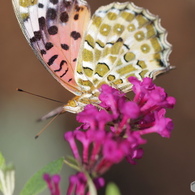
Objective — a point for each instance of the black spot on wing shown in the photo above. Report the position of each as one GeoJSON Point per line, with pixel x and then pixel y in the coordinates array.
{"type": "Point", "coordinates": [42, 22]}
{"type": "Point", "coordinates": [38, 35]}
{"type": "Point", "coordinates": [66, 3]}
{"type": "Point", "coordinates": [75, 60]}
{"type": "Point", "coordinates": [54, 1]}
{"type": "Point", "coordinates": [52, 59]}
{"type": "Point", "coordinates": [53, 30]}
{"type": "Point", "coordinates": [48, 45]}
{"type": "Point", "coordinates": [64, 73]}
{"type": "Point", "coordinates": [61, 64]}
{"type": "Point", "coordinates": [160, 62]}
{"type": "Point", "coordinates": [33, 39]}
{"type": "Point", "coordinates": [77, 8]}
{"type": "Point", "coordinates": [76, 16]}
{"type": "Point", "coordinates": [119, 39]}
{"type": "Point", "coordinates": [43, 52]}
{"type": "Point", "coordinates": [51, 14]}
{"type": "Point", "coordinates": [64, 17]}
{"type": "Point", "coordinates": [126, 46]}
{"type": "Point", "coordinates": [40, 5]}
{"type": "Point", "coordinates": [109, 43]}
{"type": "Point", "coordinates": [65, 46]}
{"type": "Point", "coordinates": [70, 80]}
{"type": "Point", "coordinates": [97, 44]}
{"type": "Point", "coordinates": [89, 44]}
{"type": "Point", "coordinates": [138, 63]}
{"type": "Point", "coordinates": [75, 35]}
{"type": "Point", "coordinates": [26, 19]}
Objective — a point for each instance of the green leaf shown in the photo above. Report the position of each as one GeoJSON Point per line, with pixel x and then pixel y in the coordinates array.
{"type": "Point", "coordinates": [2, 160]}
{"type": "Point", "coordinates": [2, 164]}
{"type": "Point", "coordinates": [112, 189]}
{"type": "Point", "coordinates": [36, 184]}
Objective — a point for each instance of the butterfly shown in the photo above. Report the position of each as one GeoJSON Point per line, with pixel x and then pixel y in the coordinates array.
{"type": "Point", "coordinates": [83, 52]}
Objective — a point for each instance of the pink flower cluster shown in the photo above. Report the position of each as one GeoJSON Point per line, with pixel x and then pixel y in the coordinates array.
{"type": "Point", "coordinates": [78, 184]}
{"type": "Point", "coordinates": [110, 134]}
{"type": "Point", "coordinates": [52, 183]}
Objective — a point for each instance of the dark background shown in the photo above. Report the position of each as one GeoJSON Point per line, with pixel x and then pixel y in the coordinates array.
{"type": "Point", "coordinates": [168, 165]}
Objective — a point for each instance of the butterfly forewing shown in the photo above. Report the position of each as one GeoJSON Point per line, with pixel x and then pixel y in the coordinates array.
{"type": "Point", "coordinates": [55, 30]}
{"type": "Point", "coordinates": [122, 40]}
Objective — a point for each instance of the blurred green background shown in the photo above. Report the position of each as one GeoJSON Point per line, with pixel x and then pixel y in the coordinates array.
{"type": "Point", "coordinates": [168, 165]}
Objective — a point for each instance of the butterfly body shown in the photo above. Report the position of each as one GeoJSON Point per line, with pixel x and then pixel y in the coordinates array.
{"type": "Point", "coordinates": [82, 53]}
{"type": "Point", "coordinates": [77, 104]}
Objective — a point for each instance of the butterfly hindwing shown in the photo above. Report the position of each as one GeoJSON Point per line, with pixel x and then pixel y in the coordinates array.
{"type": "Point", "coordinates": [122, 40]}
{"type": "Point", "coordinates": [55, 30]}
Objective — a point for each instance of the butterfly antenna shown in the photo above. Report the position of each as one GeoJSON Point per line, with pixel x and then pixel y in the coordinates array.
{"type": "Point", "coordinates": [44, 128]}
{"type": "Point", "coordinates": [21, 90]}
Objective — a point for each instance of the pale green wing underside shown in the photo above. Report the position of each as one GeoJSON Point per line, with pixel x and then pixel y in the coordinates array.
{"type": "Point", "coordinates": [122, 40]}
